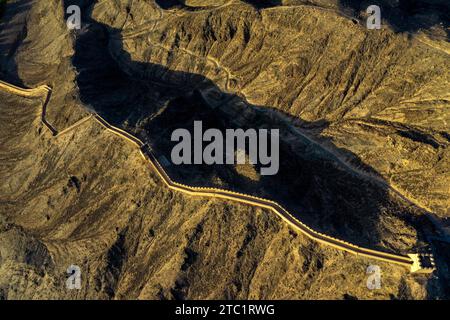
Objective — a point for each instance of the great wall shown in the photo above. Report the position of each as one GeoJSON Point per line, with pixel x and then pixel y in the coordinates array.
{"type": "Point", "coordinates": [414, 262]}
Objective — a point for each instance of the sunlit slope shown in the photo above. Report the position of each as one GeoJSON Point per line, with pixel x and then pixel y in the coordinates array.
{"type": "Point", "coordinates": [379, 94]}
{"type": "Point", "coordinates": [98, 205]}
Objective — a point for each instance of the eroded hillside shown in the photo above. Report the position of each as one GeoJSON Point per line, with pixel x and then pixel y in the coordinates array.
{"type": "Point", "coordinates": [364, 156]}
{"type": "Point", "coordinates": [106, 211]}
{"type": "Point", "coordinates": [363, 90]}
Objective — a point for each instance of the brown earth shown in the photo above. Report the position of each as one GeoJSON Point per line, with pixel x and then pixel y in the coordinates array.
{"type": "Point", "coordinates": [374, 102]}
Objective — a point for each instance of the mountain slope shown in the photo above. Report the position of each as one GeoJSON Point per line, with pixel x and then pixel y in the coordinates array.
{"type": "Point", "coordinates": [364, 151]}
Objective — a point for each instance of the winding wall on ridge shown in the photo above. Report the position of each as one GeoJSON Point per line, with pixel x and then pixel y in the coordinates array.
{"type": "Point", "coordinates": [146, 152]}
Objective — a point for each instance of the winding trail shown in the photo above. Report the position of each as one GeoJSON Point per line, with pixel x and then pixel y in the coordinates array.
{"type": "Point", "coordinates": [371, 177]}
{"type": "Point", "coordinates": [378, 180]}
{"type": "Point", "coordinates": [147, 154]}
{"type": "Point", "coordinates": [210, 59]}
{"type": "Point", "coordinates": [151, 25]}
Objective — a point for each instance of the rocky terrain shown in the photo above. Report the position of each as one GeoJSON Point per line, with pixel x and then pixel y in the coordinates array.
{"type": "Point", "coordinates": [363, 116]}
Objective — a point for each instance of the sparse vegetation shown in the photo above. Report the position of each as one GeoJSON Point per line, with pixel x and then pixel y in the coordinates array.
{"type": "Point", "coordinates": [89, 198]}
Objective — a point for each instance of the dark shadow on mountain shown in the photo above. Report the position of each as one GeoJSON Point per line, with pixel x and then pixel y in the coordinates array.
{"type": "Point", "coordinates": [2, 8]}
{"type": "Point", "coordinates": [11, 36]}
{"type": "Point", "coordinates": [178, 4]}
{"type": "Point", "coordinates": [261, 4]}
{"type": "Point", "coordinates": [181, 5]}
{"type": "Point", "coordinates": [151, 101]}
{"type": "Point", "coordinates": [438, 288]}
{"type": "Point", "coordinates": [405, 15]}
{"type": "Point", "coordinates": [169, 4]}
